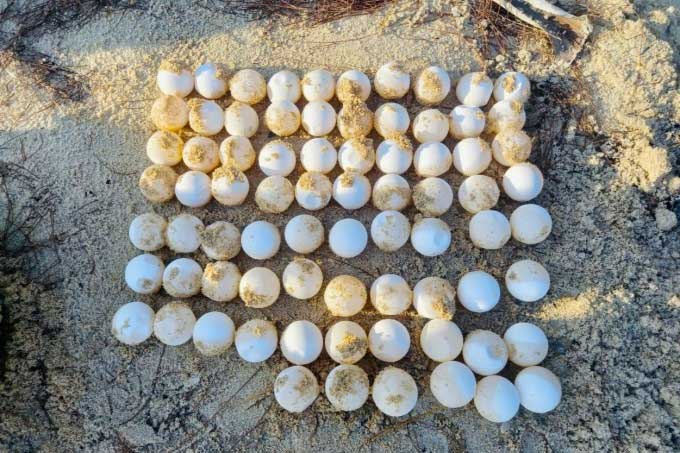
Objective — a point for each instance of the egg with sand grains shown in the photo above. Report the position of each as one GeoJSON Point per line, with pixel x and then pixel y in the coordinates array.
{"type": "Point", "coordinates": [147, 232]}
{"type": "Point", "coordinates": [302, 278]}
{"type": "Point", "coordinates": [240, 119]}
{"type": "Point", "coordinates": [157, 183]}
{"type": "Point", "coordinates": [474, 89]}
{"type": "Point", "coordinates": [353, 84]}
{"type": "Point", "coordinates": [351, 190]}
{"type": "Point", "coordinates": [346, 342]}
{"type": "Point", "coordinates": [284, 86]}
{"type": "Point", "coordinates": [205, 117]}
{"type": "Point", "coordinates": [432, 196]}
{"type": "Point", "coordinates": [211, 81]}
{"type": "Point", "coordinates": [471, 156]}
{"type": "Point", "coordinates": [505, 115]}
{"type": "Point", "coordinates": [390, 230]}
{"type": "Point", "coordinates": [174, 79]}
{"type": "Point", "coordinates": [432, 85]}
{"type": "Point", "coordinates": [173, 324]}
{"type": "Point", "coordinates": [144, 273]}
{"type": "Point", "coordinates": [256, 340]}
{"type": "Point", "coordinates": [394, 392]}
{"type": "Point", "coordinates": [432, 159]}
{"type": "Point", "coordinates": [391, 81]}
{"type": "Point", "coordinates": [296, 388]}
{"type": "Point", "coordinates": [391, 119]}
{"type": "Point", "coordinates": [527, 281]}
{"type": "Point", "coordinates": [274, 194]}
{"type": "Point", "coordinates": [389, 340]}
{"type": "Point", "coordinates": [237, 151]}
{"type": "Point", "coordinates": [394, 155]}
{"type": "Point", "coordinates": [133, 323]}
{"type": "Point", "coordinates": [434, 298]}
{"type": "Point", "coordinates": [466, 122]}
{"type": "Point", "coordinates": [182, 278]}
{"type": "Point", "coordinates": [277, 158]}
{"type": "Point", "coordinates": [221, 240]}
{"type": "Point", "coordinates": [512, 86]}
{"type": "Point", "coordinates": [248, 86]}
{"type": "Point", "coordinates": [313, 191]}
{"type": "Point", "coordinates": [304, 233]}
{"type": "Point", "coordinates": [183, 234]}
{"type": "Point", "coordinates": [357, 155]}
{"type": "Point", "coordinates": [229, 186]}
{"type": "Point", "coordinates": [478, 193]}
{"type": "Point", "coordinates": [318, 85]}
{"type": "Point", "coordinates": [169, 113]}
{"type": "Point", "coordinates": [282, 118]}
{"type": "Point", "coordinates": [390, 294]}
{"type": "Point", "coordinates": [430, 125]}
{"type": "Point", "coordinates": [213, 333]}
{"type": "Point", "coordinates": [201, 154]}
{"type": "Point", "coordinates": [220, 281]}
{"type": "Point", "coordinates": [345, 296]}
{"type": "Point", "coordinates": [259, 287]}
{"type": "Point", "coordinates": [391, 193]}
{"type": "Point", "coordinates": [489, 230]}
{"type": "Point", "coordinates": [347, 387]}
{"type": "Point", "coordinates": [164, 148]}
{"type": "Point", "coordinates": [530, 224]}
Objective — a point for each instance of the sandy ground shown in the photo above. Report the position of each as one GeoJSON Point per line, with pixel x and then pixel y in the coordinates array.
{"type": "Point", "coordinates": [610, 124]}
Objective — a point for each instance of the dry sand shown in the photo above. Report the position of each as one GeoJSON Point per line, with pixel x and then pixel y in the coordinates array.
{"type": "Point", "coordinates": [611, 315]}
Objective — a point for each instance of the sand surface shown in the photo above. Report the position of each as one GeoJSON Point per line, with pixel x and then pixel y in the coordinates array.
{"type": "Point", "coordinates": [609, 125]}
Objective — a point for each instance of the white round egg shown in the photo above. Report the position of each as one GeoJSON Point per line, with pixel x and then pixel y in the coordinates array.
{"type": "Point", "coordinates": [430, 236]}
{"type": "Point", "coordinates": [284, 86]}
{"type": "Point", "coordinates": [485, 352]}
{"type": "Point", "coordinates": [230, 186]}
{"type": "Point", "coordinates": [213, 333]}
{"type": "Point", "coordinates": [174, 79]}
{"type": "Point", "coordinates": [174, 324]}
{"type": "Point", "coordinates": [441, 340]}
{"type": "Point", "coordinates": [193, 189]}
{"type": "Point", "coordinates": [432, 196]}
{"type": "Point", "coordinates": [256, 340]}
{"type": "Point", "coordinates": [164, 148]}
{"type": "Point", "coordinates": [241, 119]}
{"type": "Point", "coordinates": [357, 155]}
{"type": "Point", "coordinates": [505, 115]}
{"type": "Point", "coordinates": [511, 146]}
{"type": "Point", "coordinates": [474, 89]}
{"type": "Point", "coordinates": [478, 291]}
{"type": "Point", "coordinates": [274, 194]}
{"type": "Point", "coordinates": [182, 278]}
{"type": "Point", "coordinates": [301, 342]}
{"type": "Point", "coordinates": [390, 230]}
{"type": "Point", "coordinates": [539, 389]}
{"type": "Point", "coordinates": [220, 281]}
{"type": "Point", "coordinates": [390, 295]}
{"type": "Point", "coordinates": [248, 86]}
{"type": "Point", "coordinates": [466, 122]}
{"type": "Point", "coordinates": [282, 118]}
{"type": "Point", "coordinates": [471, 156]}
{"type": "Point", "coordinates": [296, 388]}
{"type": "Point", "coordinates": [205, 117]}
{"type": "Point", "coordinates": [237, 151]}
{"type": "Point", "coordinates": [351, 190]}
{"type": "Point", "coordinates": [353, 84]}
{"type": "Point", "coordinates": [512, 86]}
{"type": "Point", "coordinates": [147, 231]}
{"type": "Point", "coordinates": [211, 81]}
{"type": "Point", "coordinates": [318, 155]}
{"type": "Point", "coordinates": [496, 399]}
{"type": "Point", "coordinates": [394, 155]}
{"type": "Point", "coordinates": [432, 159]}
{"type": "Point", "coordinates": [157, 183]}
{"type": "Point", "coordinates": [489, 230]}
{"type": "Point", "coordinates": [527, 281]}
{"type": "Point", "coordinates": [391, 193]}
{"type": "Point", "coordinates": [302, 278]}
{"type": "Point", "coordinates": [260, 240]}
{"type": "Point", "coordinates": [345, 296]}
{"type": "Point", "coordinates": [144, 273]}
{"type": "Point", "coordinates": [276, 158]}
{"type": "Point", "coordinates": [169, 113]}
{"type": "Point", "coordinates": [523, 181]}
{"type": "Point", "coordinates": [184, 233]}
{"type": "Point", "coordinates": [391, 119]}
{"type": "Point", "coordinates": [318, 85]}
{"type": "Point", "coordinates": [221, 240]}
{"type": "Point", "coordinates": [432, 85]}
{"type": "Point", "coordinates": [391, 81]}
{"type": "Point", "coordinates": [318, 118]}
{"type": "Point", "coordinates": [527, 344]}
{"type": "Point", "coordinates": [478, 193]}
{"type": "Point", "coordinates": [201, 154]}
{"type": "Point", "coordinates": [530, 224]}
{"type": "Point", "coordinates": [259, 287]}
{"type": "Point", "coordinates": [346, 342]}
{"type": "Point", "coordinates": [394, 392]}
{"type": "Point", "coordinates": [453, 384]}
{"type": "Point", "coordinates": [133, 323]}
{"type": "Point", "coordinates": [304, 233]}
{"type": "Point", "coordinates": [388, 340]}
{"type": "Point", "coordinates": [355, 119]}
{"type": "Point", "coordinates": [313, 191]}
{"type": "Point", "coordinates": [434, 298]}
{"type": "Point", "coordinates": [430, 125]}
{"type": "Point", "coordinates": [347, 238]}
{"type": "Point", "coordinates": [347, 387]}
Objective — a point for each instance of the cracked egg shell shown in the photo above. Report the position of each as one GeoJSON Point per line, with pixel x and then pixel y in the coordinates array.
{"type": "Point", "coordinates": [144, 273]}
{"type": "Point", "coordinates": [133, 323]}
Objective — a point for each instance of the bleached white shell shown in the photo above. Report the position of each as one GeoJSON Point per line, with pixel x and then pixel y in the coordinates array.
{"type": "Point", "coordinates": [318, 118]}
{"type": "Point", "coordinates": [353, 83]}
{"type": "Point", "coordinates": [496, 399]}
{"type": "Point", "coordinates": [184, 233]}
{"type": "Point", "coordinates": [466, 122]}
{"type": "Point", "coordinates": [351, 190]}
{"type": "Point", "coordinates": [210, 82]}
{"type": "Point", "coordinates": [284, 86]}
{"type": "Point", "coordinates": [220, 281]}
{"type": "Point", "coordinates": [157, 183]}
{"type": "Point", "coordinates": [301, 342]}
{"type": "Point", "coordinates": [485, 352]}
{"type": "Point", "coordinates": [133, 323]}
{"type": "Point", "coordinates": [432, 196]}
{"type": "Point", "coordinates": [512, 86]}
{"type": "Point", "coordinates": [527, 281]}
{"type": "Point", "coordinates": [318, 155]}
{"type": "Point", "coordinates": [345, 296]}
{"type": "Point", "coordinates": [489, 230]}
{"type": "Point", "coordinates": [174, 324]}
{"type": "Point", "coordinates": [390, 119]}
{"type": "Point", "coordinates": [430, 125]}
{"type": "Point", "coordinates": [391, 193]}
{"type": "Point", "coordinates": [511, 146]}
{"type": "Point", "coordinates": [282, 118]}
{"type": "Point", "coordinates": [175, 83]}
{"type": "Point", "coordinates": [430, 236]}
{"type": "Point", "coordinates": [205, 117]}
{"type": "Point", "coordinates": [471, 156]}
{"type": "Point", "coordinates": [505, 115]}
{"type": "Point", "coordinates": [259, 287]}
{"type": "Point", "coordinates": [230, 186]}
{"type": "Point", "coordinates": [432, 85]}
{"type": "Point", "coordinates": [237, 151]}
{"type": "Point", "coordinates": [221, 240]}
{"type": "Point", "coordinates": [394, 156]}
{"type": "Point", "coordinates": [391, 81]}
{"type": "Point", "coordinates": [313, 191]}
{"type": "Point", "coordinates": [523, 182]}
{"type": "Point", "coordinates": [241, 119]}
{"type": "Point", "coordinates": [182, 278]}
{"type": "Point", "coordinates": [201, 154]}
{"type": "Point", "coordinates": [478, 193]}
{"type": "Point", "coordinates": [318, 85]}
{"type": "Point", "coordinates": [260, 240]}
{"type": "Point", "coordinates": [304, 233]}
{"type": "Point", "coordinates": [539, 389]}
{"type": "Point", "coordinates": [356, 156]}
{"type": "Point", "coordinates": [193, 189]}
{"type": "Point", "coordinates": [394, 392]}
{"type": "Point", "coordinates": [347, 387]}
{"type": "Point", "coordinates": [302, 278]}
{"type": "Point", "coordinates": [276, 158]}
{"type": "Point", "coordinates": [453, 384]}
{"type": "Point", "coordinates": [347, 238]}
{"type": "Point", "coordinates": [474, 89]}
{"type": "Point", "coordinates": [164, 148]}
{"type": "Point", "coordinates": [388, 340]}
{"type": "Point", "coordinates": [530, 224]}
{"type": "Point", "coordinates": [434, 298]}
{"type": "Point", "coordinates": [478, 291]}
{"type": "Point", "coordinates": [144, 273]}
{"type": "Point", "coordinates": [274, 194]}
{"type": "Point", "coordinates": [432, 159]}
{"type": "Point", "coordinates": [248, 86]}
{"type": "Point", "coordinates": [147, 231]}
{"type": "Point", "coordinates": [170, 113]}
{"type": "Point", "coordinates": [390, 230]}
{"type": "Point", "coordinates": [256, 340]}
{"type": "Point", "coordinates": [441, 340]}
{"type": "Point", "coordinates": [346, 342]}
{"type": "Point", "coordinates": [390, 294]}
{"type": "Point", "coordinates": [213, 333]}
{"type": "Point", "coordinates": [527, 344]}
{"type": "Point", "coordinates": [296, 388]}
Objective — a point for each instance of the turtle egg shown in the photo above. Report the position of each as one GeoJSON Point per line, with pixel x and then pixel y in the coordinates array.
{"type": "Point", "coordinates": [313, 191]}
{"type": "Point", "coordinates": [394, 155]}
{"type": "Point", "coordinates": [391, 81]}
{"type": "Point", "coordinates": [496, 399]}
{"type": "Point", "coordinates": [434, 298]}
{"type": "Point", "coordinates": [274, 194]}
{"type": "Point", "coordinates": [527, 281]}
{"type": "Point", "coordinates": [505, 115]}
{"type": "Point", "coordinates": [356, 155]}
{"type": "Point", "coordinates": [391, 119]}
{"type": "Point", "coordinates": [527, 344]}
{"type": "Point", "coordinates": [388, 340]}
{"type": "Point", "coordinates": [318, 155]}
{"type": "Point", "coordinates": [347, 238]}
{"type": "Point", "coordinates": [345, 296]}
{"type": "Point", "coordinates": [184, 233]}
{"type": "Point", "coordinates": [471, 156]}
{"type": "Point", "coordinates": [489, 230]}
{"type": "Point", "coordinates": [304, 233]}
{"type": "Point", "coordinates": [394, 392]}
{"type": "Point", "coordinates": [351, 85]}
{"type": "Point", "coordinates": [201, 154]}
{"type": "Point", "coordinates": [432, 196]}
{"type": "Point", "coordinates": [346, 342]}
{"type": "Point", "coordinates": [221, 240]}
{"type": "Point", "coordinates": [205, 117]}
{"type": "Point", "coordinates": [229, 186]}
{"type": "Point", "coordinates": [453, 384]}
{"type": "Point", "coordinates": [147, 232]}
{"type": "Point", "coordinates": [523, 181]}
{"type": "Point", "coordinates": [170, 113]}
{"type": "Point", "coordinates": [248, 86]}
{"type": "Point", "coordinates": [478, 193]}
{"type": "Point", "coordinates": [259, 287]}
{"type": "Point", "coordinates": [284, 86]}
{"type": "Point", "coordinates": [478, 291]}
{"type": "Point", "coordinates": [220, 281]}
{"type": "Point", "coordinates": [241, 119]}
{"type": "Point", "coordinates": [301, 342]}
{"type": "Point", "coordinates": [530, 224]}
{"type": "Point", "coordinates": [296, 388]}
{"type": "Point", "coordinates": [260, 240]}
{"type": "Point", "coordinates": [193, 189]}
{"type": "Point", "coordinates": [430, 236]}
{"type": "Point", "coordinates": [355, 119]}
{"type": "Point", "coordinates": [213, 333]}
{"type": "Point", "coordinates": [432, 85]}
{"type": "Point", "coordinates": [164, 148]}
{"type": "Point", "coordinates": [485, 352]}
{"type": "Point", "coordinates": [512, 86]}
{"type": "Point", "coordinates": [157, 183]}
{"type": "Point", "coordinates": [302, 278]}
{"type": "Point", "coordinates": [174, 80]}
{"type": "Point", "coordinates": [441, 340]}
{"type": "Point", "coordinates": [351, 190]}
{"type": "Point", "coordinates": [256, 340]}
{"type": "Point", "coordinates": [144, 273]}
{"type": "Point", "coordinates": [237, 151]}
{"type": "Point", "coordinates": [182, 278]}
{"type": "Point", "coordinates": [466, 122]}
{"type": "Point", "coordinates": [391, 193]}
{"type": "Point", "coordinates": [390, 295]}
{"type": "Point", "coordinates": [282, 117]}
{"type": "Point", "coordinates": [390, 230]}
{"type": "Point", "coordinates": [347, 387]}
{"type": "Point", "coordinates": [133, 323]}
{"type": "Point", "coordinates": [432, 159]}
{"type": "Point", "coordinates": [276, 158]}
{"type": "Point", "coordinates": [474, 89]}
{"type": "Point", "coordinates": [430, 125]}
{"type": "Point", "coordinates": [174, 324]}
{"type": "Point", "coordinates": [511, 147]}
{"type": "Point", "coordinates": [539, 389]}
{"type": "Point", "coordinates": [318, 118]}
{"type": "Point", "coordinates": [318, 85]}
{"type": "Point", "coordinates": [211, 81]}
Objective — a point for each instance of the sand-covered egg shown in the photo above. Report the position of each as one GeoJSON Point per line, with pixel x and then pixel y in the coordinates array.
{"type": "Point", "coordinates": [213, 333]}
{"type": "Point", "coordinates": [174, 79]}
{"type": "Point", "coordinates": [182, 278]}
{"type": "Point", "coordinates": [351, 85]}
{"type": "Point", "coordinates": [230, 186]}
{"type": "Point", "coordinates": [284, 86]}
{"type": "Point", "coordinates": [478, 291]}
{"type": "Point", "coordinates": [351, 190]}
{"type": "Point", "coordinates": [523, 181]}
{"type": "Point", "coordinates": [347, 238]}
{"type": "Point", "coordinates": [346, 342]}
{"type": "Point", "coordinates": [489, 230]}
{"type": "Point", "coordinates": [170, 113]}
{"type": "Point", "coordinates": [539, 389]}
{"type": "Point", "coordinates": [173, 324]}
{"type": "Point", "coordinates": [193, 189]}
{"type": "Point", "coordinates": [318, 155]}
{"type": "Point", "coordinates": [434, 298]}
{"type": "Point", "coordinates": [282, 117]}
{"type": "Point", "coordinates": [183, 233]}
{"type": "Point", "coordinates": [527, 280]}
{"type": "Point", "coordinates": [347, 387]}
{"type": "Point", "coordinates": [432, 159]}
{"type": "Point", "coordinates": [394, 392]}
{"type": "Point", "coordinates": [355, 119]}
{"type": "Point", "coordinates": [277, 158]}
{"type": "Point", "coordinates": [301, 342]}
{"type": "Point", "coordinates": [453, 384]}
{"type": "Point", "coordinates": [345, 295]}
{"type": "Point", "coordinates": [211, 80]}
{"type": "Point", "coordinates": [318, 118]}
{"type": "Point", "coordinates": [390, 294]}
{"type": "Point", "coordinates": [147, 231]}
{"type": "Point", "coordinates": [133, 323]}
{"type": "Point", "coordinates": [466, 122]}
{"type": "Point", "coordinates": [318, 85]}
{"type": "Point", "coordinates": [391, 193]}
{"type": "Point", "coordinates": [511, 146]}
{"type": "Point", "coordinates": [505, 115]}
{"type": "Point", "coordinates": [313, 191]}
{"type": "Point", "coordinates": [220, 281]}
{"type": "Point", "coordinates": [432, 196]}
{"type": "Point", "coordinates": [256, 340]}
{"type": "Point", "coordinates": [302, 278]}
{"type": "Point", "coordinates": [259, 287]}
{"type": "Point", "coordinates": [471, 156]}
{"type": "Point", "coordinates": [221, 240]}
{"type": "Point", "coordinates": [248, 85]}
{"type": "Point", "coordinates": [474, 89]}
{"type": "Point", "coordinates": [157, 183]}
{"type": "Point", "coordinates": [394, 155]}
{"type": "Point", "coordinates": [205, 117]}
{"type": "Point", "coordinates": [296, 388]}
{"type": "Point", "coordinates": [241, 119]}
{"type": "Point", "coordinates": [485, 352]}
{"type": "Point", "coordinates": [390, 230]}
{"type": "Point", "coordinates": [441, 340]}
{"type": "Point", "coordinates": [391, 81]}
{"type": "Point", "coordinates": [432, 85]}
{"type": "Point", "coordinates": [237, 151]}
{"type": "Point", "coordinates": [357, 155]}
{"type": "Point", "coordinates": [496, 399]}
{"type": "Point", "coordinates": [527, 344]}
{"type": "Point", "coordinates": [530, 224]}
{"type": "Point", "coordinates": [512, 86]}
{"type": "Point", "coordinates": [201, 154]}
{"type": "Point", "coordinates": [430, 236]}
{"type": "Point", "coordinates": [430, 125]}
{"type": "Point", "coordinates": [164, 148]}
{"type": "Point", "coordinates": [304, 233]}
{"type": "Point", "coordinates": [260, 240]}
{"type": "Point", "coordinates": [389, 340]}
{"type": "Point", "coordinates": [478, 193]}
{"type": "Point", "coordinates": [274, 194]}
{"type": "Point", "coordinates": [144, 273]}
{"type": "Point", "coordinates": [391, 119]}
